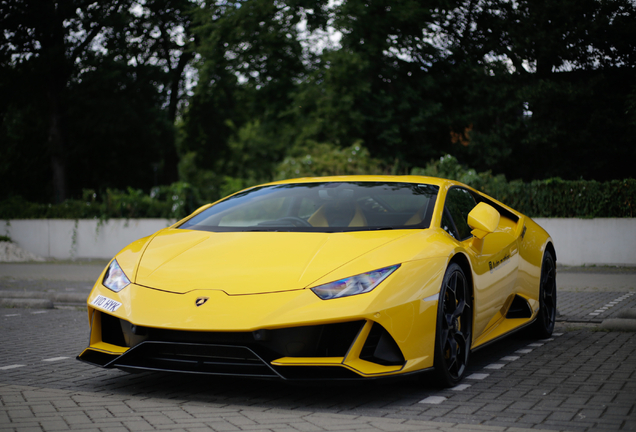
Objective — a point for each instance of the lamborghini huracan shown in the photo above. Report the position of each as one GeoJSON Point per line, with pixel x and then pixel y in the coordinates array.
{"type": "Point", "coordinates": [352, 277]}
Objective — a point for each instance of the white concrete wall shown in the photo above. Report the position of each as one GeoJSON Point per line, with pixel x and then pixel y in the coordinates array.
{"type": "Point", "coordinates": [610, 241]}
{"type": "Point", "coordinates": [58, 238]}
{"type": "Point", "coordinates": [577, 241]}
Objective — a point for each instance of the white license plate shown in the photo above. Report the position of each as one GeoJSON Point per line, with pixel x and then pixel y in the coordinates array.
{"type": "Point", "coordinates": [105, 303]}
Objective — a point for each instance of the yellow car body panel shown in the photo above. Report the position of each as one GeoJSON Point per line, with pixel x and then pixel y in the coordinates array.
{"type": "Point", "coordinates": [199, 282]}
{"type": "Point", "coordinates": [297, 264]}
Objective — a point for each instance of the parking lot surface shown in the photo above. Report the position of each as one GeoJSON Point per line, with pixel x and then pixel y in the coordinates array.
{"type": "Point", "coordinates": [581, 379]}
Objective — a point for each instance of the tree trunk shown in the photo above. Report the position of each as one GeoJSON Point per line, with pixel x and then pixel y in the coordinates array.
{"type": "Point", "coordinates": [54, 60]}
{"type": "Point", "coordinates": [171, 159]}
{"type": "Point", "coordinates": [56, 149]}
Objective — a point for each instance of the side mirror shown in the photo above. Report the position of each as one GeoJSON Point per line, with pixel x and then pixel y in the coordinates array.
{"type": "Point", "coordinates": [483, 219]}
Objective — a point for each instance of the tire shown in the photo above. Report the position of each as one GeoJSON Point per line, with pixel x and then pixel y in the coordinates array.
{"type": "Point", "coordinates": [454, 328]}
{"type": "Point", "coordinates": [546, 317]}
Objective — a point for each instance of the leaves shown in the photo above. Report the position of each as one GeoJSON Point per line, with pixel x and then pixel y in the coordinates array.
{"type": "Point", "coordinates": [222, 95]}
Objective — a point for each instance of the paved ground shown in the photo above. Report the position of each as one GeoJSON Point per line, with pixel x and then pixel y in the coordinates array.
{"type": "Point", "coordinates": [581, 379]}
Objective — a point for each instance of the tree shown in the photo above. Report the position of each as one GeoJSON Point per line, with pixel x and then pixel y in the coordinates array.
{"type": "Point", "coordinates": [534, 87]}
{"type": "Point", "coordinates": [130, 58]}
{"type": "Point", "coordinates": [53, 37]}
{"type": "Point", "coordinates": [250, 61]}
{"type": "Point", "coordinates": [161, 36]}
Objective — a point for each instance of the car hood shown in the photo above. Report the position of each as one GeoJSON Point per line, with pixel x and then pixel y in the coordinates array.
{"type": "Point", "coordinates": [240, 263]}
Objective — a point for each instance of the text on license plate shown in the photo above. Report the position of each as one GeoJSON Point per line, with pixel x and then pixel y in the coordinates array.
{"type": "Point", "coordinates": [105, 303]}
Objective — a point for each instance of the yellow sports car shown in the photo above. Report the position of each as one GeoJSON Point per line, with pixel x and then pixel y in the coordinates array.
{"type": "Point", "coordinates": [351, 277]}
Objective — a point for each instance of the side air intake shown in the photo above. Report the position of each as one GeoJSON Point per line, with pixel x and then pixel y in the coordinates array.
{"type": "Point", "coordinates": [519, 308]}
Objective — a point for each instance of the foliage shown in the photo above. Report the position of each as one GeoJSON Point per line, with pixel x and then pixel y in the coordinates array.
{"type": "Point", "coordinates": [552, 197]}
{"type": "Point", "coordinates": [250, 59]}
{"type": "Point", "coordinates": [122, 95]}
{"type": "Point", "coordinates": [320, 159]}
{"type": "Point", "coordinates": [88, 94]}
{"type": "Point", "coordinates": [170, 202]}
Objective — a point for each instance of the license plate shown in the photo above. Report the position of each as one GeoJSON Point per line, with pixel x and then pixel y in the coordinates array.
{"type": "Point", "coordinates": [105, 303]}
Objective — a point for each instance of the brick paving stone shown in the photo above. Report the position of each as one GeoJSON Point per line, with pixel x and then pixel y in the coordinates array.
{"type": "Point", "coordinates": [466, 409]}
{"type": "Point", "coordinates": [569, 368]}
{"type": "Point", "coordinates": [564, 425]}
{"type": "Point", "coordinates": [561, 416]}
{"type": "Point", "coordinates": [20, 414]}
{"type": "Point", "coordinates": [42, 408]}
{"type": "Point", "coordinates": [535, 417]}
{"type": "Point", "coordinates": [98, 414]}
{"type": "Point", "coordinates": [34, 428]}
{"type": "Point", "coordinates": [77, 419]}
{"type": "Point", "coordinates": [157, 419]}
{"type": "Point", "coordinates": [177, 416]}
{"type": "Point", "coordinates": [523, 405]}
{"type": "Point", "coordinates": [576, 306]}
{"type": "Point", "coordinates": [53, 424]}
{"type": "Point", "coordinates": [220, 425]}
{"type": "Point", "coordinates": [137, 425]}
{"type": "Point", "coordinates": [629, 425]}
{"type": "Point", "coordinates": [307, 427]}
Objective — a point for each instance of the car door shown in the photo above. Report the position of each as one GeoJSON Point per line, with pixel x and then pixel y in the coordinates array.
{"type": "Point", "coordinates": [494, 267]}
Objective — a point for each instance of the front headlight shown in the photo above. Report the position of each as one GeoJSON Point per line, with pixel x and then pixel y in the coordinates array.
{"type": "Point", "coordinates": [115, 279]}
{"type": "Point", "coordinates": [359, 284]}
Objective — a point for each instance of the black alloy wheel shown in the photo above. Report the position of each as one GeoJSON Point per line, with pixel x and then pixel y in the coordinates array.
{"type": "Point", "coordinates": [454, 327]}
{"type": "Point", "coordinates": [546, 317]}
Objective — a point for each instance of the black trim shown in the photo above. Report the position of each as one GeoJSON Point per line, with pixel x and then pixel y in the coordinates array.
{"type": "Point", "coordinates": [196, 359]}
{"type": "Point", "coordinates": [502, 210]}
{"type": "Point", "coordinates": [97, 358]}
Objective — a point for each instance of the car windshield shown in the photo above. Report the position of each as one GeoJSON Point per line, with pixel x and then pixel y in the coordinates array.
{"type": "Point", "coordinates": [321, 207]}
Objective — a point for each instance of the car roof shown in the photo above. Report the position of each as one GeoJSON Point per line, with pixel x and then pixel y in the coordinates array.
{"type": "Point", "coordinates": [368, 178]}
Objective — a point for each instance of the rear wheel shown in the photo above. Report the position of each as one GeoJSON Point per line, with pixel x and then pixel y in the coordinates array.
{"type": "Point", "coordinates": [544, 324]}
{"type": "Point", "coordinates": [454, 327]}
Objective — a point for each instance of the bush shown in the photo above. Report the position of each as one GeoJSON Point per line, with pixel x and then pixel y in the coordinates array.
{"type": "Point", "coordinates": [321, 159]}
{"type": "Point", "coordinates": [541, 198]}
{"type": "Point", "coordinates": [544, 198]}
{"type": "Point", "coordinates": [171, 202]}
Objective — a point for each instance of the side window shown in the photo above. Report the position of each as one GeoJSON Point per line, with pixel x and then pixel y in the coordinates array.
{"type": "Point", "coordinates": [447, 225]}
{"type": "Point", "coordinates": [459, 202]}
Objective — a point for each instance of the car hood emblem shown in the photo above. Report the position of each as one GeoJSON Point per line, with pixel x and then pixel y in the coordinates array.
{"type": "Point", "coordinates": [201, 301]}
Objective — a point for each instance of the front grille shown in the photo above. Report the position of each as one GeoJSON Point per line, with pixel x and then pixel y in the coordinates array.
{"type": "Point", "coordinates": [230, 353]}
{"type": "Point", "coordinates": [327, 340]}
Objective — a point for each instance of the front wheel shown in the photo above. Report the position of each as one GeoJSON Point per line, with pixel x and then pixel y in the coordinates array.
{"type": "Point", "coordinates": [544, 324]}
{"type": "Point", "coordinates": [454, 327]}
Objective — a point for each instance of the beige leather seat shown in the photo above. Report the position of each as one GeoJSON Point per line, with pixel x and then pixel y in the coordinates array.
{"type": "Point", "coordinates": [338, 214]}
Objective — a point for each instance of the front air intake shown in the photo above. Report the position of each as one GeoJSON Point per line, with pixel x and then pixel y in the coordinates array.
{"type": "Point", "coordinates": [381, 348]}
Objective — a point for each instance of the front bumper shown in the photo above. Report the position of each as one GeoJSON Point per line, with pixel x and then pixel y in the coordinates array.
{"type": "Point", "coordinates": [289, 334]}
{"type": "Point", "coordinates": [349, 350]}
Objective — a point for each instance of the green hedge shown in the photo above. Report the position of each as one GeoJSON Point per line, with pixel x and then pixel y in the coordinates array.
{"type": "Point", "coordinates": [169, 202]}
{"type": "Point", "coordinates": [543, 198]}
{"type": "Point", "coordinates": [568, 199]}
